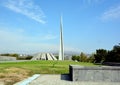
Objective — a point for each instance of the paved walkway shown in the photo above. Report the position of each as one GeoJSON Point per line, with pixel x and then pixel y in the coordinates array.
{"type": "Point", "coordinates": [2, 83]}
{"type": "Point", "coordinates": [64, 80]}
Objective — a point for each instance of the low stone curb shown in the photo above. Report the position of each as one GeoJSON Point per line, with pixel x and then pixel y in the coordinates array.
{"type": "Point", "coordinates": [28, 80]}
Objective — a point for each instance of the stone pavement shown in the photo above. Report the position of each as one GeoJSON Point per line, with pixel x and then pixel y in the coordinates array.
{"type": "Point", "coordinates": [2, 83]}
{"type": "Point", "coordinates": [46, 79]}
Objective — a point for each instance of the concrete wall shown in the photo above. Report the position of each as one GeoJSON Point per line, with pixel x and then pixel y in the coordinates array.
{"type": "Point", "coordinates": [111, 64]}
{"type": "Point", "coordinates": [7, 58]}
{"type": "Point", "coordinates": [106, 73]}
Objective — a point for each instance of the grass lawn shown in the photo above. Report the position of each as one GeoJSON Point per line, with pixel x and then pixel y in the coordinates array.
{"type": "Point", "coordinates": [43, 67]}
{"type": "Point", "coordinates": [24, 69]}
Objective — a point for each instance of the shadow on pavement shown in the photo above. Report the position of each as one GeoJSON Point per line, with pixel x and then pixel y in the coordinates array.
{"type": "Point", "coordinates": [65, 77]}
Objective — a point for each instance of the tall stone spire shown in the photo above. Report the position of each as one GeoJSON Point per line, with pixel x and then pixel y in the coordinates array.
{"type": "Point", "coordinates": [61, 51]}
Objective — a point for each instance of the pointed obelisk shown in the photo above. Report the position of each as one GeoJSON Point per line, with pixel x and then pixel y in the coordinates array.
{"type": "Point", "coordinates": [61, 51]}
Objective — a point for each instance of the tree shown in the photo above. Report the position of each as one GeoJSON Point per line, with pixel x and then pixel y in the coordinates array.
{"type": "Point", "coordinates": [100, 55]}
{"type": "Point", "coordinates": [83, 57]}
{"type": "Point", "coordinates": [91, 59]}
{"type": "Point", "coordinates": [6, 54]}
{"type": "Point", "coordinates": [114, 54]}
{"type": "Point", "coordinates": [13, 55]}
{"type": "Point", "coordinates": [29, 57]}
{"type": "Point", "coordinates": [74, 57]}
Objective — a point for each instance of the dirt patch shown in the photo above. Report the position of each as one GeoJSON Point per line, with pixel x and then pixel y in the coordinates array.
{"type": "Point", "coordinates": [13, 75]}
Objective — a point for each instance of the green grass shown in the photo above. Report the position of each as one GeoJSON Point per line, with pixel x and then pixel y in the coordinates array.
{"type": "Point", "coordinates": [43, 67]}
{"type": "Point", "coordinates": [12, 72]}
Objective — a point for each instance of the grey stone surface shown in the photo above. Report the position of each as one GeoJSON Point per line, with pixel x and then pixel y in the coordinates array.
{"type": "Point", "coordinates": [7, 58]}
{"type": "Point", "coordinates": [105, 73]}
{"type": "Point", "coordinates": [2, 83]}
{"type": "Point", "coordinates": [64, 80]}
{"type": "Point", "coordinates": [28, 80]}
{"type": "Point", "coordinates": [111, 63]}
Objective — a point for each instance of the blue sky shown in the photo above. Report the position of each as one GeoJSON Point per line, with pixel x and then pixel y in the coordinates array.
{"type": "Point", "coordinates": [30, 26]}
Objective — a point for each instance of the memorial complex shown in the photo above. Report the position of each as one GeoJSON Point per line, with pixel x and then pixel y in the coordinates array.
{"type": "Point", "coordinates": [44, 56]}
{"type": "Point", "coordinates": [50, 56]}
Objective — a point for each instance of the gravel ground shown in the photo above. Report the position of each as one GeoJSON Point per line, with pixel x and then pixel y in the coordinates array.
{"type": "Point", "coordinates": [64, 80]}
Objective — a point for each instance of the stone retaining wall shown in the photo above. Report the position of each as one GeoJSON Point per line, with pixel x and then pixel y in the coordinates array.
{"type": "Point", "coordinates": [111, 64]}
{"type": "Point", "coordinates": [103, 73]}
{"type": "Point", "coordinates": [7, 58]}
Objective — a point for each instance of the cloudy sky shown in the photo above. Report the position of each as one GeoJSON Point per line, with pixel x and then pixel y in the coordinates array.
{"type": "Point", "coordinates": [29, 26]}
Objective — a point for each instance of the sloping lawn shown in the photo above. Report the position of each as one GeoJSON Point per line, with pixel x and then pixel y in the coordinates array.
{"type": "Point", "coordinates": [11, 72]}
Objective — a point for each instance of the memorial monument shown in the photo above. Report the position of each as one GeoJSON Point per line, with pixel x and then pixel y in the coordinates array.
{"type": "Point", "coordinates": [61, 50]}
{"type": "Point", "coordinates": [44, 56]}
{"type": "Point", "coordinates": [49, 56]}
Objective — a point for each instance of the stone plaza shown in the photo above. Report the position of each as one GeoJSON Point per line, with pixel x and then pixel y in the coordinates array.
{"type": "Point", "coordinates": [78, 75]}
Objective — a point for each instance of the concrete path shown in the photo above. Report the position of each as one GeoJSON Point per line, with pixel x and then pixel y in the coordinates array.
{"type": "Point", "coordinates": [64, 80]}
{"type": "Point", "coordinates": [2, 83]}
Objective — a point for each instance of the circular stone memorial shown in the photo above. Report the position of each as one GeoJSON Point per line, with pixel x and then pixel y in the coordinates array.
{"type": "Point", "coordinates": [44, 56]}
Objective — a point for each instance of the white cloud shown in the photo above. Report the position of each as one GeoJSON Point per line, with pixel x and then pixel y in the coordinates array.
{"type": "Point", "coordinates": [49, 37]}
{"type": "Point", "coordinates": [27, 8]}
{"type": "Point", "coordinates": [9, 36]}
{"type": "Point", "coordinates": [72, 49]}
{"type": "Point", "coordinates": [112, 13]}
{"type": "Point", "coordinates": [18, 41]}
{"type": "Point", "coordinates": [20, 35]}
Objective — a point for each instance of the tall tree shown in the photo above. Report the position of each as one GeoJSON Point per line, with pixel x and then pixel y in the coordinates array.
{"type": "Point", "coordinates": [114, 54]}
{"type": "Point", "coordinates": [75, 57]}
{"type": "Point", "coordinates": [83, 57]}
{"type": "Point", "coordinates": [91, 58]}
{"type": "Point", "coordinates": [100, 55]}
